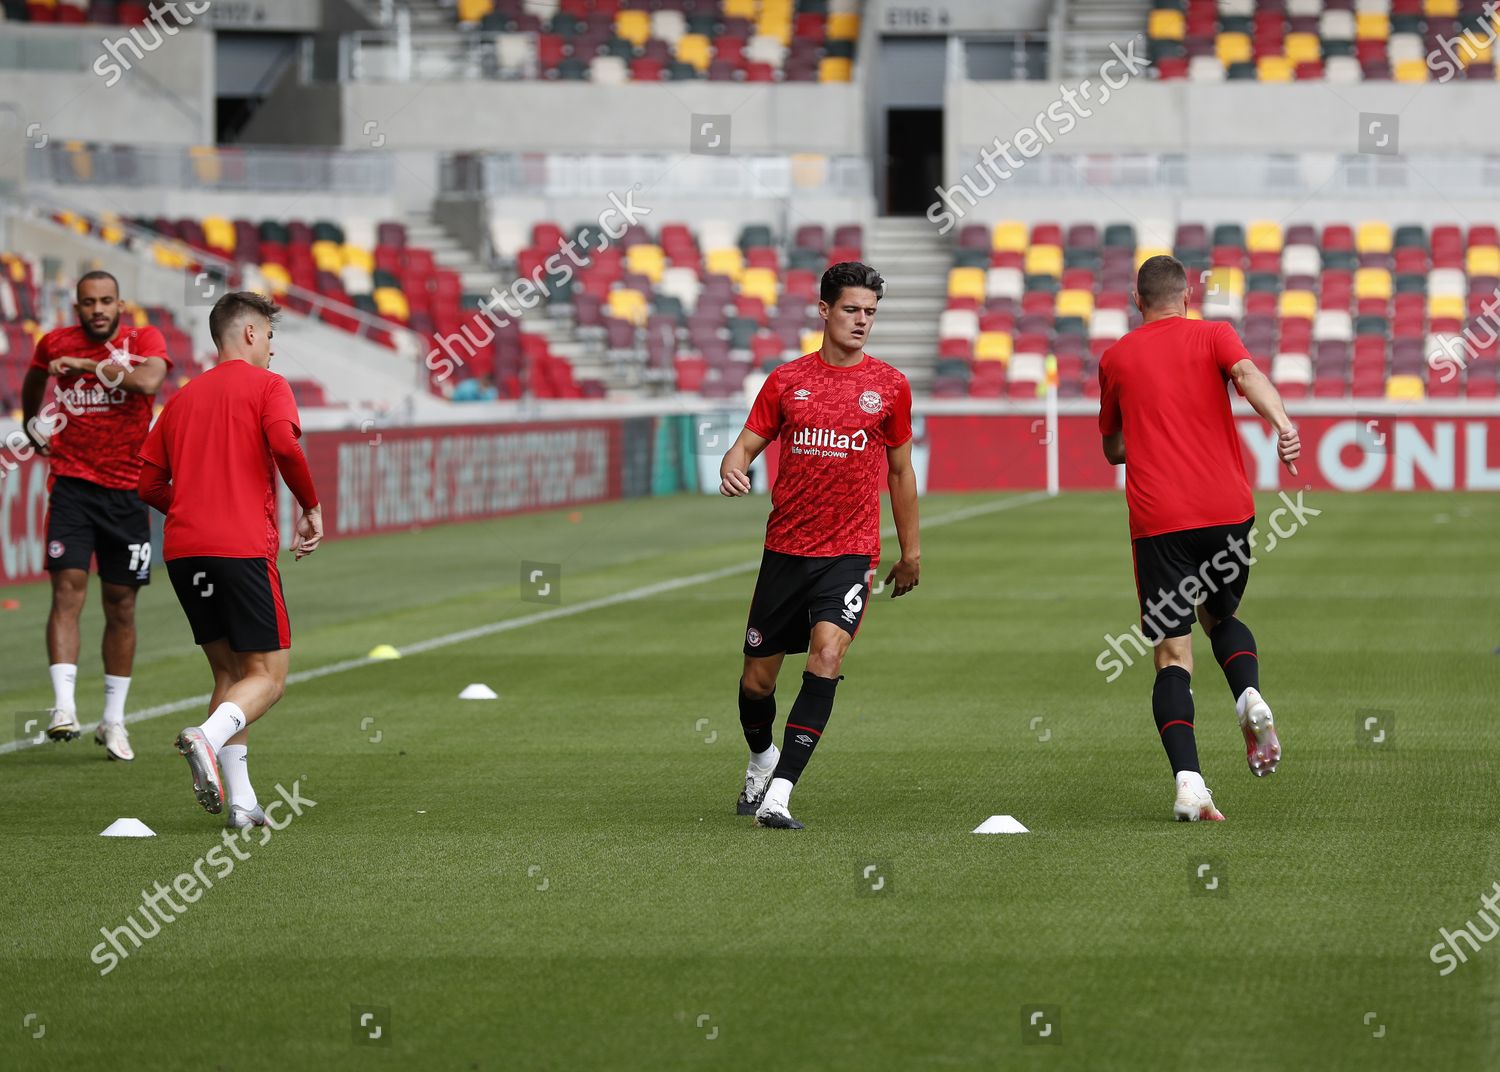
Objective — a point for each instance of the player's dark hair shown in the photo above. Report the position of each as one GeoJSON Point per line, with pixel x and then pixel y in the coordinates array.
{"type": "Point", "coordinates": [1161, 281]}
{"type": "Point", "coordinates": [228, 310]}
{"type": "Point", "coordinates": [97, 273]}
{"type": "Point", "coordinates": [849, 274]}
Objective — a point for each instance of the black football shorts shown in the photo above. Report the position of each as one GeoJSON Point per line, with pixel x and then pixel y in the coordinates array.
{"type": "Point", "coordinates": [1177, 571]}
{"type": "Point", "coordinates": [237, 598]}
{"type": "Point", "coordinates": [794, 591]}
{"type": "Point", "coordinates": [86, 521]}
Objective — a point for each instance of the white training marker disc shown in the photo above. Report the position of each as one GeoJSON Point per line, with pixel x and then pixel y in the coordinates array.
{"type": "Point", "coordinates": [127, 828]}
{"type": "Point", "coordinates": [478, 692]}
{"type": "Point", "coordinates": [1001, 824]}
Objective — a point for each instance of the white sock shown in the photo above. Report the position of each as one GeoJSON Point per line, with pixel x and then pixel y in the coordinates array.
{"type": "Point", "coordinates": [64, 676]}
{"type": "Point", "coordinates": [115, 691]}
{"type": "Point", "coordinates": [224, 723]}
{"type": "Point", "coordinates": [779, 794]}
{"type": "Point", "coordinates": [764, 759]}
{"type": "Point", "coordinates": [234, 766]}
{"type": "Point", "coordinates": [1191, 780]}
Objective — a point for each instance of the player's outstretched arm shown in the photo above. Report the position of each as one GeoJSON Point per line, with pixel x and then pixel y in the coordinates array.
{"type": "Point", "coordinates": [1263, 396]}
{"type": "Point", "coordinates": [902, 480]}
{"type": "Point", "coordinates": [734, 470]}
{"type": "Point", "coordinates": [33, 387]}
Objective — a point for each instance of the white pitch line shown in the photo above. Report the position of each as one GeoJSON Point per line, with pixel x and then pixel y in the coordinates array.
{"type": "Point", "coordinates": [632, 595]}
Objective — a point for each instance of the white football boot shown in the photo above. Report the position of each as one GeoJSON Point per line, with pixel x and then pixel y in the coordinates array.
{"type": "Point", "coordinates": [115, 740]}
{"type": "Point", "coordinates": [1194, 801]}
{"type": "Point", "coordinates": [1262, 748]}
{"type": "Point", "coordinates": [757, 778]}
{"type": "Point", "coordinates": [64, 725]}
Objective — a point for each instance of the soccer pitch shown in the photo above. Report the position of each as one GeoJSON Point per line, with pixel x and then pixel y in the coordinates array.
{"type": "Point", "coordinates": [557, 879]}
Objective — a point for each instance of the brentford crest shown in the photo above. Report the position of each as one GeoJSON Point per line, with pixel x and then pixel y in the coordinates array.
{"type": "Point", "coordinates": [870, 402]}
{"type": "Point", "coordinates": [753, 637]}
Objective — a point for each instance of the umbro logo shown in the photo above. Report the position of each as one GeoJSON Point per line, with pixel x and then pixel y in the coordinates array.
{"type": "Point", "coordinates": [802, 394]}
{"type": "Point", "coordinates": [804, 740]}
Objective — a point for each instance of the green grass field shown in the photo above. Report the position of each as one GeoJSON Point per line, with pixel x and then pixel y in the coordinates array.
{"type": "Point", "coordinates": [557, 880]}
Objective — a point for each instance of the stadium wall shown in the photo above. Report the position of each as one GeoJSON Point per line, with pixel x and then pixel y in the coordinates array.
{"type": "Point", "coordinates": [399, 479]}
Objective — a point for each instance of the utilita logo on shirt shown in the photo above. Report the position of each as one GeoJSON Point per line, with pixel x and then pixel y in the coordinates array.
{"type": "Point", "coordinates": [826, 443]}
{"type": "Point", "coordinates": [82, 399]}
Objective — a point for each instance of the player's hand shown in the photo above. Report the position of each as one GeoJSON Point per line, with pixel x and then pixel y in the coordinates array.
{"type": "Point", "coordinates": [1289, 448]}
{"type": "Point", "coordinates": [66, 366]}
{"type": "Point", "coordinates": [39, 442]}
{"type": "Point", "coordinates": [903, 576]}
{"type": "Point", "coordinates": [734, 484]}
{"type": "Point", "coordinates": [309, 532]}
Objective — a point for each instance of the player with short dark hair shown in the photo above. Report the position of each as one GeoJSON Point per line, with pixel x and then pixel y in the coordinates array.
{"type": "Point", "coordinates": [107, 375]}
{"type": "Point", "coordinates": [210, 465]}
{"type": "Point", "coordinates": [1163, 394]}
{"type": "Point", "coordinates": [837, 413]}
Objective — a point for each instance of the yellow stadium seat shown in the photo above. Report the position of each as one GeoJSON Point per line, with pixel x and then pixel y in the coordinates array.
{"type": "Point", "coordinates": [1414, 70]}
{"type": "Point", "coordinates": [1404, 389]}
{"type": "Point", "coordinates": [218, 232]}
{"type": "Point", "coordinates": [966, 283]}
{"type": "Point", "coordinates": [627, 304]}
{"type": "Point", "coordinates": [993, 346]}
{"type": "Point", "coordinates": [1301, 304]}
{"type": "Point", "coordinates": [1145, 253]}
{"type": "Point", "coordinates": [1372, 283]}
{"type": "Point", "coordinates": [835, 69]}
{"type": "Point", "coordinates": [112, 233]}
{"type": "Point", "coordinates": [645, 260]}
{"type": "Point", "coordinates": [1225, 279]}
{"type": "Point", "coordinates": [1274, 69]}
{"type": "Point", "coordinates": [1446, 307]}
{"type": "Point", "coordinates": [1302, 48]}
{"type": "Point", "coordinates": [1075, 303]}
{"type": "Point", "coordinates": [474, 10]}
{"type": "Point", "coordinates": [1373, 236]}
{"type": "Point", "coordinates": [1236, 48]}
{"type": "Point", "coordinates": [811, 341]}
{"type": "Point", "coordinates": [1263, 237]}
{"type": "Point", "coordinates": [739, 9]}
{"type": "Point", "coordinates": [1166, 25]}
{"type": "Point", "coordinates": [358, 257]}
{"type": "Point", "coordinates": [171, 255]}
{"type": "Point", "coordinates": [276, 277]}
{"type": "Point", "coordinates": [775, 26]}
{"type": "Point", "coordinates": [1469, 53]}
{"type": "Point", "coordinates": [759, 283]}
{"type": "Point", "coordinates": [1009, 236]}
{"type": "Point", "coordinates": [1372, 26]}
{"type": "Point", "coordinates": [694, 49]}
{"type": "Point", "coordinates": [634, 26]}
{"type": "Point", "coordinates": [842, 26]}
{"type": "Point", "coordinates": [389, 301]}
{"type": "Point", "coordinates": [1483, 260]}
{"type": "Point", "coordinates": [725, 260]}
{"type": "Point", "coordinates": [1442, 8]}
{"type": "Point", "coordinates": [1044, 260]}
{"type": "Point", "coordinates": [328, 257]}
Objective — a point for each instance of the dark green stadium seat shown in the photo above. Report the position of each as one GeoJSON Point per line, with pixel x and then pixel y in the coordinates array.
{"type": "Point", "coordinates": [572, 69]}
{"type": "Point", "coordinates": [1241, 72]}
{"type": "Point", "coordinates": [1370, 324]}
{"type": "Point", "coordinates": [741, 330]}
{"type": "Point", "coordinates": [667, 305]}
{"type": "Point", "coordinates": [682, 72]}
{"type": "Point", "coordinates": [1071, 325]}
{"type": "Point", "coordinates": [839, 49]}
{"type": "Point", "coordinates": [1240, 24]}
{"type": "Point", "coordinates": [971, 258]}
{"type": "Point", "coordinates": [382, 278]}
{"type": "Point", "coordinates": [813, 261]}
{"type": "Point", "coordinates": [1343, 260]}
{"type": "Point", "coordinates": [703, 23]}
{"type": "Point", "coordinates": [1081, 258]}
{"type": "Point", "coordinates": [951, 367]}
{"type": "Point", "coordinates": [618, 46]}
{"type": "Point", "coordinates": [568, 25]}
{"type": "Point", "coordinates": [494, 22]}
{"type": "Point", "coordinates": [1337, 48]}
{"type": "Point", "coordinates": [1409, 236]}
{"type": "Point", "coordinates": [1266, 281]}
{"type": "Point", "coordinates": [1194, 260]}
{"type": "Point", "coordinates": [1229, 234]}
{"type": "Point", "coordinates": [273, 231]}
{"type": "Point", "coordinates": [365, 303]}
{"type": "Point", "coordinates": [1049, 284]}
{"type": "Point", "coordinates": [1411, 284]}
{"type": "Point", "coordinates": [1161, 48]}
{"type": "Point", "coordinates": [323, 231]}
{"type": "Point", "coordinates": [1120, 234]}
{"type": "Point", "coordinates": [756, 236]}
{"type": "Point", "coordinates": [1412, 24]}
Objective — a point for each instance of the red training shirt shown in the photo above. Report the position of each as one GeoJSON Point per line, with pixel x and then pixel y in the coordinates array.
{"type": "Point", "coordinates": [1163, 385]}
{"type": "Point", "coordinates": [99, 429]}
{"type": "Point", "coordinates": [834, 425]}
{"type": "Point", "coordinates": [215, 439]}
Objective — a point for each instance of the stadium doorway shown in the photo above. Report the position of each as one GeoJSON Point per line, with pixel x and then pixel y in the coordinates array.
{"type": "Point", "coordinates": [913, 159]}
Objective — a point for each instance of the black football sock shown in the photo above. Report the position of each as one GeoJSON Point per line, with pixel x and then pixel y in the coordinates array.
{"type": "Point", "coordinates": [1234, 648]}
{"type": "Point", "coordinates": [805, 724]}
{"type": "Point", "coordinates": [757, 715]}
{"type": "Point", "coordinates": [1172, 704]}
